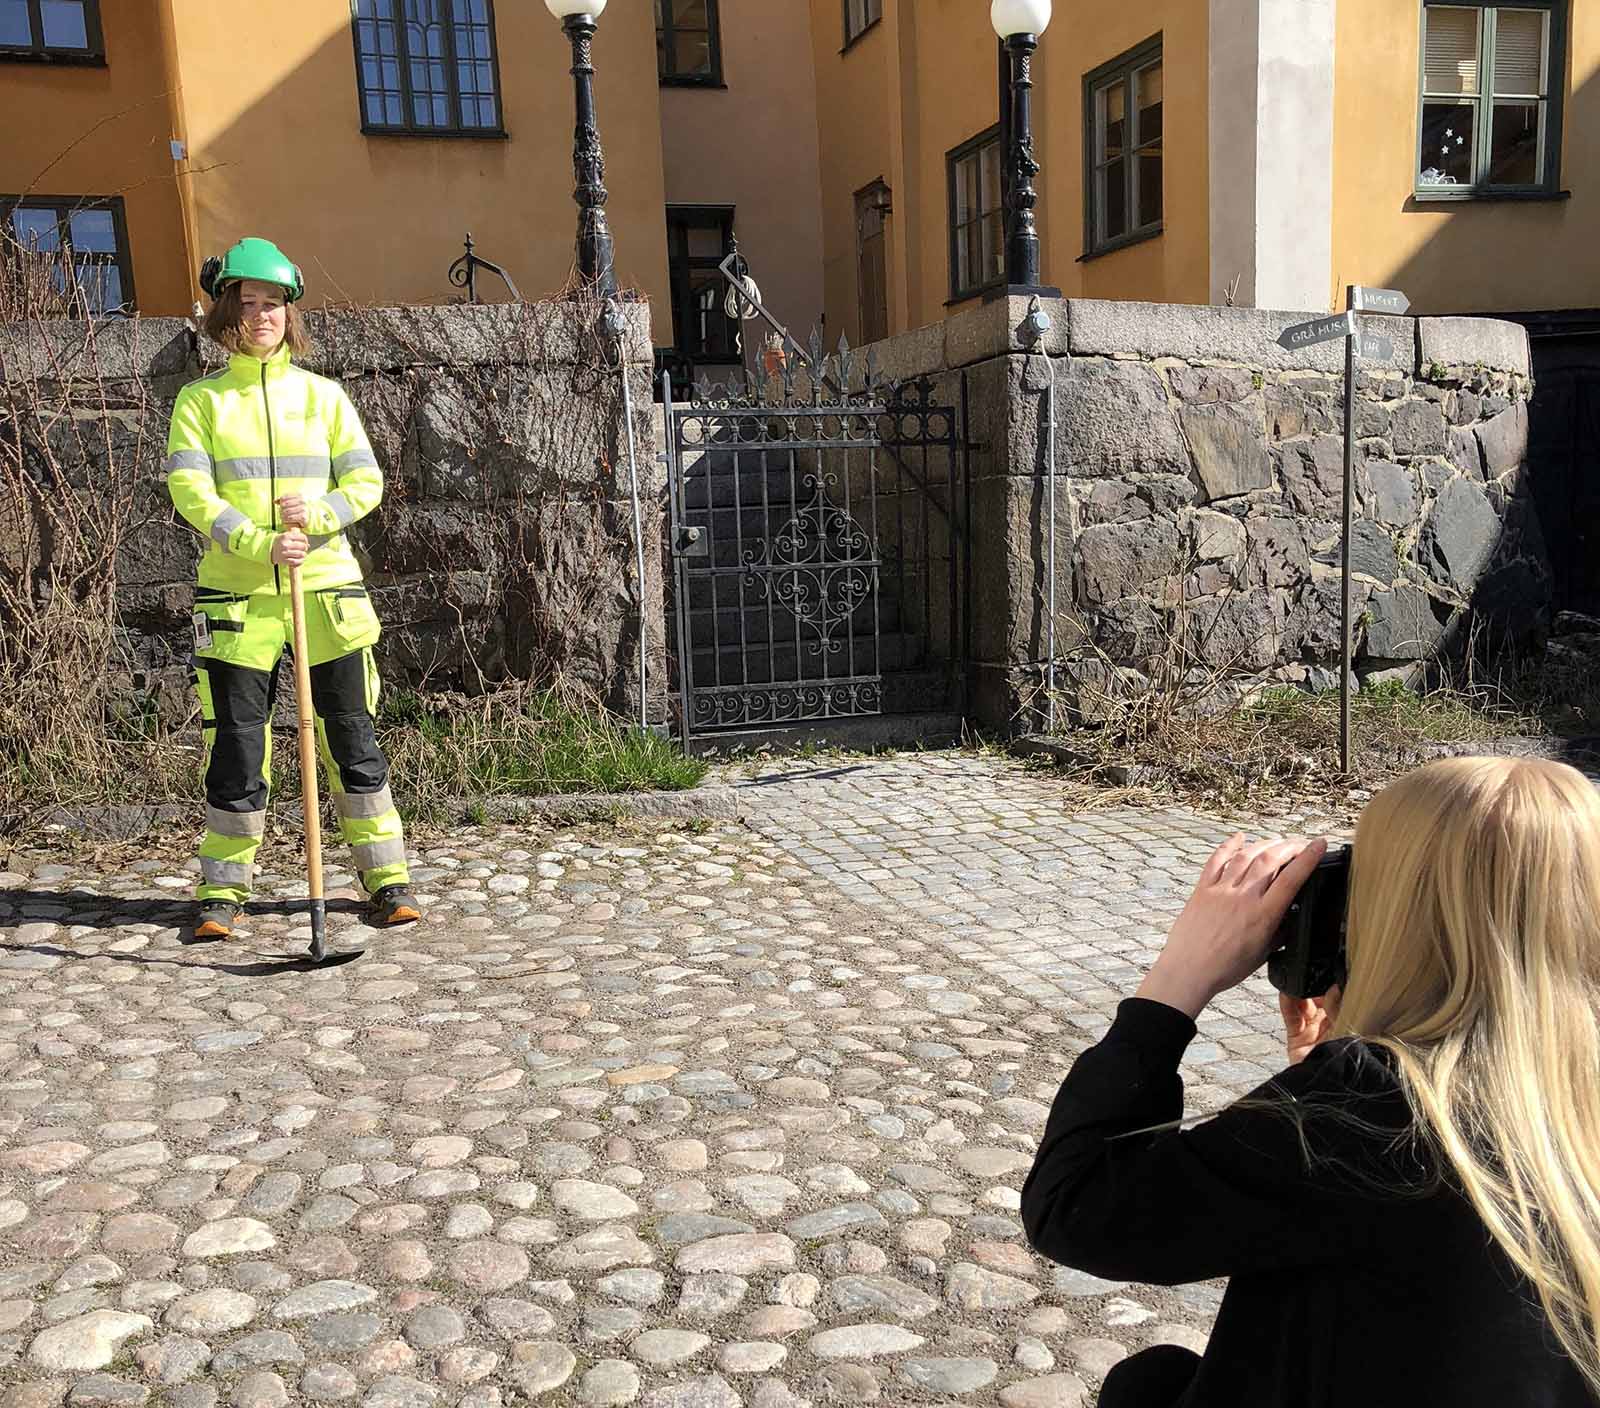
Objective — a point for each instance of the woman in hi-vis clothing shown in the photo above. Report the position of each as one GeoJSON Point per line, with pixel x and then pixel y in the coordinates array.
{"type": "Point", "coordinates": [271, 463]}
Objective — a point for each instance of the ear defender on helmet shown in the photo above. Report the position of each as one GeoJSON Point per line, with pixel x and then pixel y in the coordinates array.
{"type": "Point", "coordinates": [253, 258]}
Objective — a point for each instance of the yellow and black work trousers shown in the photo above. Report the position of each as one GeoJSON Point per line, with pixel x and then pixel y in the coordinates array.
{"type": "Point", "coordinates": [239, 648]}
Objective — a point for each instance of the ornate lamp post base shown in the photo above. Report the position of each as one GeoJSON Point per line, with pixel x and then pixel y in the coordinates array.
{"type": "Point", "coordinates": [1022, 236]}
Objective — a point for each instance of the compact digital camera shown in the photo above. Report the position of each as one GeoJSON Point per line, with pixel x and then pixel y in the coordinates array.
{"type": "Point", "coordinates": [1307, 956]}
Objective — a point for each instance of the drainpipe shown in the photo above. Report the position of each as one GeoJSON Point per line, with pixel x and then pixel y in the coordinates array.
{"type": "Point", "coordinates": [178, 122]}
{"type": "Point", "coordinates": [1030, 333]}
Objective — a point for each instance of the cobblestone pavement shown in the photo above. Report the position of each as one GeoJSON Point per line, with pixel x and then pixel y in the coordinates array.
{"type": "Point", "coordinates": [686, 1116]}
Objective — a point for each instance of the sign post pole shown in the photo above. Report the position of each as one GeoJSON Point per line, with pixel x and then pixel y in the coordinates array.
{"type": "Point", "coordinates": [1345, 644]}
{"type": "Point", "coordinates": [1379, 348]}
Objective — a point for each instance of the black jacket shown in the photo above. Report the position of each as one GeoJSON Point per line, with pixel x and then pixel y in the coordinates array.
{"type": "Point", "coordinates": [1357, 1278]}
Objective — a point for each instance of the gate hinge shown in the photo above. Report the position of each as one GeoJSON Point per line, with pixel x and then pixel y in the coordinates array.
{"type": "Point", "coordinates": [692, 542]}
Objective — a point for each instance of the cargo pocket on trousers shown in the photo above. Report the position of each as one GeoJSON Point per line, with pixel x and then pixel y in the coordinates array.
{"type": "Point", "coordinates": [352, 617]}
{"type": "Point", "coordinates": [218, 624]}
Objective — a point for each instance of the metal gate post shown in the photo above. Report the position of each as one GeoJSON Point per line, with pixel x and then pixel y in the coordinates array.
{"type": "Point", "coordinates": [676, 528]}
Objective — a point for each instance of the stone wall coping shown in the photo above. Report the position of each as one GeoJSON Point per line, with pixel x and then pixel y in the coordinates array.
{"type": "Point", "coordinates": [1469, 342]}
{"type": "Point", "coordinates": [1093, 327]}
{"type": "Point", "coordinates": [129, 349]}
{"type": "Point", "coordinates": [1209, 333]}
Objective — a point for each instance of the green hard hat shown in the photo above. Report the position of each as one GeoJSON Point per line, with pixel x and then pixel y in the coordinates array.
{"type": "Point", "coordinates": [252, 258]}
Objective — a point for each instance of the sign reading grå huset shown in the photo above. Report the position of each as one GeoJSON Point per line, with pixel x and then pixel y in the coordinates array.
{"type": "Point", "coordinates": [1319, 330]}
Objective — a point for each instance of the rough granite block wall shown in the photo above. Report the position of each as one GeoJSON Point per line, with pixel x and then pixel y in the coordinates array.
{"type": "Point", "coordinates": [503, 549]}
{"type": "Point", "coordinates": [1198, 472]}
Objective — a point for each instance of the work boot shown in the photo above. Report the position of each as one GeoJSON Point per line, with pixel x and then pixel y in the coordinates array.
{"type": "Point", "coordinates": [393, 904]}
{"type": "Point", "coordinates": [216, 919]}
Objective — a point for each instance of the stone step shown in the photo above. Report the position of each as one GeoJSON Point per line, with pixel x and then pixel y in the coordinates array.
{"type": "Point", "coordinates": [934, 728]}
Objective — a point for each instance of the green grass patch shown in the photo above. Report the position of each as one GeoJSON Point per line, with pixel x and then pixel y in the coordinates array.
{"type": "Point", "coordinates": [523, 743]}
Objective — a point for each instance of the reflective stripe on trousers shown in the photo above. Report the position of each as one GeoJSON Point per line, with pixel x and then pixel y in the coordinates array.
{"type": "Point", "coordinates": [236, 708]}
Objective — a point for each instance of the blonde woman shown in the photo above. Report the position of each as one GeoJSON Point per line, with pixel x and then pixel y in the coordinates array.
{"type": "Point", "coordinates": [1410, 1214]}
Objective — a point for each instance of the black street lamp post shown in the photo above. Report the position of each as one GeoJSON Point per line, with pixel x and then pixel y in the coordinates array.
{"type": "Point", "coordinates": [1019, 23]}
{"type": "Point", "coordinates": [595, 254]}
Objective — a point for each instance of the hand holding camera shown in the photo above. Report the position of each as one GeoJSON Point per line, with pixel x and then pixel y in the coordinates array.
{"type": "Point", "coordinates": [1232, 920]}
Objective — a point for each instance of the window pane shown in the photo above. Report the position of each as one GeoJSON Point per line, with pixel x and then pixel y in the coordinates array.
{"type": "Point", "coordinates": [693, 54]}
{"type": "Point", "coordinates": [1149, 177]}
{"type": "Point", "coordinates": [990, 160]}
{"type": "Point", "coordinates": [93, 231]}
{"type": "Point", "coordinates": [1147, 83]}
{"type": "Point", "coordinates": [1514, 150]}
{"type": "Point", "coordinates": [15, 27]}
{"type": "Point", "coordinates": [1447, 140]}
{"type": "Point", "coordinates": [964, 190]}
{"type": "Point", "coordinates": [690, 14]}
{"type": "Point", "coordinates": [1113, 101]}
{"type": "Point", "coordinates": [64, 24]}
{"type": "Point", "coordinates": [1452, 52]}
{"type": "Point", "coordinates": [705, 242]}
{"type": "Point", "coordinates": [994, 243]}
{"type": "Point", "coordinates": [874, 9]}
{"type": "Point", "coordinates": [1113, 200]}
{"type": "Point", "coordinates": [375, 111]}
{"type": "Point", "coordinates": [1519, 57]}
{"type": "Point", "coordinates": [972, 255]}
{"type": "Point", "coordinates": [36, 228]}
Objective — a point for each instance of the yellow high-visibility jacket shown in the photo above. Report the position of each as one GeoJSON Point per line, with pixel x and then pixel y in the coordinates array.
{"type": "Point", "coordinates": [245, 436]}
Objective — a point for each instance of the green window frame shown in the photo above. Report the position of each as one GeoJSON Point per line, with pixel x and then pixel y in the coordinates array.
{"type": "Point", "coordinates": [1124, 200]}
{"type": "Point", "coordinates": [1490, 82]}
{"type": "Point", "coordinates": [859, 17]}
{"type": "Point", "coordinates": [688, 44]}
{"type": "Point", "coordinates": [977, 215]}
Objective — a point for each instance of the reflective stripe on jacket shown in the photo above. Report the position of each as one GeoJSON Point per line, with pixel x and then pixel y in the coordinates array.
{"type": "Point", "coordinates": [247, 435]}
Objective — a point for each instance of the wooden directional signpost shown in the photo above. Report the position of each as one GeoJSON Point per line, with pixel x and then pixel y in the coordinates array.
{"type": "Point", "coordinates": [1375, 347]}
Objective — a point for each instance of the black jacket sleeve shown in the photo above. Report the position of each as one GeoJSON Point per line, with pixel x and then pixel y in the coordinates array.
{"type": "Point", "coordinates": [1277, 1180]}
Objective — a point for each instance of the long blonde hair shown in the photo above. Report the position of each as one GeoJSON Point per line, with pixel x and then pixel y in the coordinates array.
{"type": "Point", "coordinates": [1474, 957]}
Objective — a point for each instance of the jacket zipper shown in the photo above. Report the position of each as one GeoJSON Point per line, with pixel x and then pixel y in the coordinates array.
{"type": "Point", "coordinates": [272, 475]}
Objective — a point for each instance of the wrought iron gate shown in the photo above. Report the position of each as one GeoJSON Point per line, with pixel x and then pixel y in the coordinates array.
{"type": "Point", "coordinates": [816, 544]}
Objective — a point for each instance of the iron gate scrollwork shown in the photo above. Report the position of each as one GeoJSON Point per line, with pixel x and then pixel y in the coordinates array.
{"type": "Point", "coordinates": [814, 535]}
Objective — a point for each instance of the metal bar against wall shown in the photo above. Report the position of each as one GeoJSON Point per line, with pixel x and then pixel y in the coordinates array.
{"type": "Point", "coordinates": [1050, 545]}
{"type": "Point", "coordinates": [766, 544]}
{"type": "Point", "coordinates": [638, 523]}
{"type": "Point", "coordinates": [679, 568]}
{"type": "Point", "coordinates": [1344, 538]}
{"type": "Point", "coordinates": [965, 452]}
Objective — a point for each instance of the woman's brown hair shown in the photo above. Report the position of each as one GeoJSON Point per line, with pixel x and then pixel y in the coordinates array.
{"type": "Point", "coordinates": [224, 324]}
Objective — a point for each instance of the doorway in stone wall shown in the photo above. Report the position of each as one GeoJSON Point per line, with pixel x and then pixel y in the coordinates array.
{"type": "Point", "coordinates": [816, 537]}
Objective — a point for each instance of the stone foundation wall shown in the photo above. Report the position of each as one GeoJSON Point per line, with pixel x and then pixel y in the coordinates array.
{"type": "Point", "coordinates": [503, 549]}
{"type": "Point", "coordinates": [1198, 476]}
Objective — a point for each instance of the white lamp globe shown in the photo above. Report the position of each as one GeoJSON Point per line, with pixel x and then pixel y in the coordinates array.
{"type": "Point", "coordinates": [566, 9]}
{"type": "Point", "coordinates": [1009, 16]}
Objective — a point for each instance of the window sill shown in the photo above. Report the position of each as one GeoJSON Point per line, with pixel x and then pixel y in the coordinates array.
{"type": "Point", "coordinates": [856, 38]}
{"type": "Point", "coordinates": [66, 58]}
{"type": "Point", "coordinates": [1434, 196]}
{"type": "Point", "coordinates": [1124, 242]}
{"type": "Point", "coordinates": [491, 134]}
{"type": "Point", "coordinates": [673, 81]}
{"type": "Point", "coordinates": [977, 291]}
